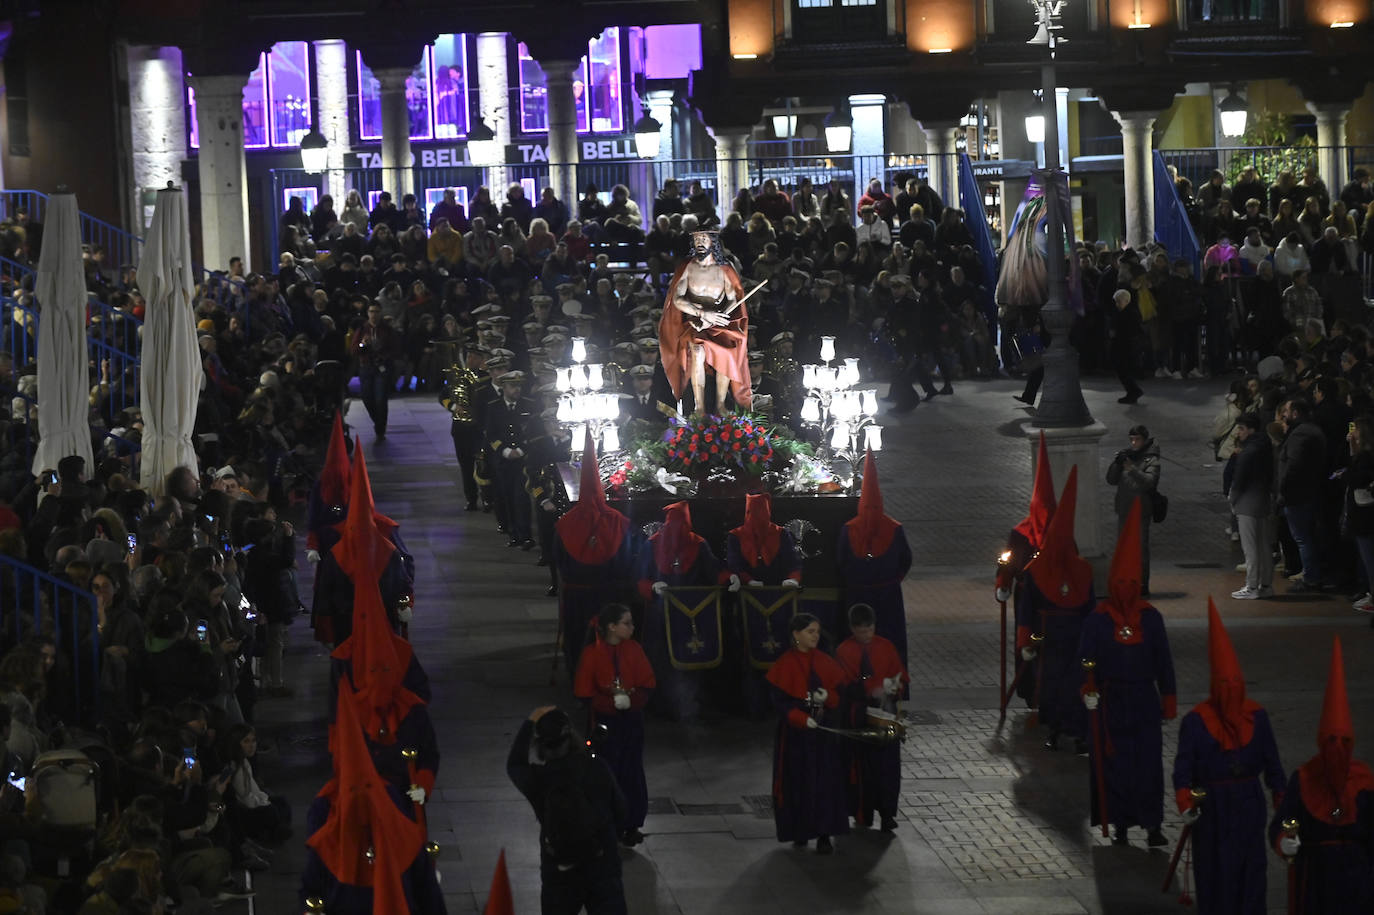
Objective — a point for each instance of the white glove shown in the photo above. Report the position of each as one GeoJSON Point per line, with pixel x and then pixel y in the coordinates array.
{"type": "Point", "coordinates": [507, 453]}
{"type": "Point", "coordinates": [621, 700]}
{"type": "Point", "coordinates": [1090, 701]}
{"type": "Point", "coordinates": [548, 505]}
{"type": "Point", "coordinates": [1289, 845]}
{"type": "Point", "coordinates": [892, 685]}
{"type": "Point", "coordinates": [812, 723]}
{"type": "Point", "coordinates": [1028, 653]}
{"type": "Point", "coordinates": [518, 452]}
{"type": "Point", "coordinates": [755, 583]}
{"type": "Point", "coordinates": [416, 794]}
{"type": "Point", "coordinates": [405, 614]}
{"type": "Point", "coordinates": [1192, 813]}
{"type": "Point", "coordinates": [660, 587]}
{"type": "Point", "coordinates": [791, 583]}
{"type": "Point", "coordinates": [819, 696]}
{"type": "Point", "coordinates": [1003, 595]}
{"type": "Point", "coordinates": [312, 555]}
{"type": "Point", "coordinates": [734, 584]}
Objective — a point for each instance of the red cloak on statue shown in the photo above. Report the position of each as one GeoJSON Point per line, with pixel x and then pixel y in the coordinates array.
{"type": "Point", "coordinates": [726, 348]}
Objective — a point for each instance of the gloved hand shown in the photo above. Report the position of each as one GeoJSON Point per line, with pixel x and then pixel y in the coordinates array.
{"type": "Point", "coordinates": [660, 587]}
{"type": "Point", "coordinates": [812, 723]}
{"type": "Point", "coordinates": [818, 696]}
{"type": "Point", "coordinates": [1028, 653]}
{"type": "Point", "coordinates": [312, 555]}
{"type": "Point", "coordinates": [734, 584]}
{"type": "Point", "coordinates": [1003, 595]}
{"type": "Point", "coordinates": [518, 452]}
{"type": "Point", "coordinates": [416, 794]}
{"type": "Point", "coordinates": [791, 583]}
{"type": "Point", "coordinates": [755, 583]}
{"type": "Point", "coordinates": [405, 614]}
{"type": "Point", "coordinates": [548, 505]}
{"type": "Point", "coordinates": [1289, 845]}
{"type": "Point", "coordinates": [892, 685]}
{"type": "Point", "coordinates": [621, 701]}
{"type": "Point", "coordinates": [508, 453]}
{"type": "Point", "coordinates": [1090, 701]}
{"type": "Point", "coordinates": [1191, 814]}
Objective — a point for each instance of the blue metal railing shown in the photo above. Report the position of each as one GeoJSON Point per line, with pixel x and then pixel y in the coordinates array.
{"type": "Point", "coordinates": [1172, 227]}
{"type": "Point", "coordinates": [37, 603]}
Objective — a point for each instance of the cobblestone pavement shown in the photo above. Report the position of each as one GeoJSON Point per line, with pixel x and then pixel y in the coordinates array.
{"type": "Point", "coordinates": [992, 822]}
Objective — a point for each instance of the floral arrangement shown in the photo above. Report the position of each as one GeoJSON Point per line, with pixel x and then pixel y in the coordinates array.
{"type": "Point", "coordinates": [710, 447]}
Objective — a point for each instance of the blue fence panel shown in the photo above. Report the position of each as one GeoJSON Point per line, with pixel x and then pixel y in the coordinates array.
{"type": "Point", "coordinates": [976, 218]}
{"type": "Point", "coordinates": [39, 604]}
{"type": "Point", "coordinates": [1172, 228]}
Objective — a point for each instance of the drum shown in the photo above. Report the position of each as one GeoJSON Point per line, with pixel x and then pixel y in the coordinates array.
{"type": "Point", "coordinates": [885, 723]}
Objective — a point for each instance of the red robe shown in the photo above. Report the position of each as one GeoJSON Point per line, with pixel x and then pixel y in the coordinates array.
{"type": "Point", "coordinates": [726, 348]}
{"type": "Point", "coordinates": [601, 663]}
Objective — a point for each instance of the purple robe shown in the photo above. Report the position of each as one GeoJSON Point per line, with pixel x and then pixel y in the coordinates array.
{"type": "Point", "coordinates": [1228, 837]}
{"type": "Point", "coordinates": [809, 796]}
{"type": "Point", "coordinates": [877, 581]}
{"type": "Point", "coordinates": [1130, 682]}
{"type": "Point", "coordinates": [680, 692]}
{"type": "Point", "coordinates": [1334, 869]}
{"type": "Point", "coordinates": [1055, 674]}
{"type": "Point", "coordinates": [584, 589]}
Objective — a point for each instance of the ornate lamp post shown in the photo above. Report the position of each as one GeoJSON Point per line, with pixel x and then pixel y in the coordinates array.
{"type": "Point", "coordinates": [1061, 399]}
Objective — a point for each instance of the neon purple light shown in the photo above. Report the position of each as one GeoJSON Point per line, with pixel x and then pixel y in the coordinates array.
{"type": "Point", "coordinates": [671, 51]}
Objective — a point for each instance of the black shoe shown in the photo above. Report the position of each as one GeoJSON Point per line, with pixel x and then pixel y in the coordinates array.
{"type": "Point", "coordinates": [543, 561]}
{"type": "Point", "coordinates": [1028, 401]}
{"type": "Point", "coordinates": [1080, 746]}
{"type": "Point", "coordinates": [1129, 398]}
{"type": "Point", "coordinates": [551, 591]}
{"type": "Point", "coordinates": [823, 846]}
{"type": "Point", "coordinates": [1051, 743]}
{"type": "Point", "coordinates": [1120, 838]}
{"type": "Point", "coordinates": [631, 837]}
{"type": "Point", "coordinates": [470, 507]}
{"type": "Point", "coordinates": [798, 844]}
{"type": "Point", "coordinates": [1156, 839]}
{"type": "Point", "coordinates": [527, 545]}
{"type": "Point", "coordinates": [931, 395]}
{"type": "Point", "coordinates": [512, 542]}
{"type": "Point", "coordinates": [381, 437]}
{"type": "Point", "coordinates": [864, 822]}
{"type": "Point", "coordinates": [500, 528]}
{"type": "Point", "coordinates": [947, 389]}
{"type": "Point", "coordinates": [889, 824]}
{"type": "Point", "coordinates": [487, 507]}
{"type": "Point", "coordinates": [906, 407]}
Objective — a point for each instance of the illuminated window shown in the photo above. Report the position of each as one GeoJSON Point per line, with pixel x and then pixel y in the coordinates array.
{"type": "Point", "coordinates": [417, 101]}
{"type": "Point", "coordinates": [435, 196]}
{"type": "Point", "coordinates": [449, 60]}
{"type": "Point", "coordinates": [288, 68]}
{"type": "Point", "coordinates": [596, 88]}
{"type": "Point", "coordinates": [255, 107]}
{"type": "Point", "coordinates": [310, 196]}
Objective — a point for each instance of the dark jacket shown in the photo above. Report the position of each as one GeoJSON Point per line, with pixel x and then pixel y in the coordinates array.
{"type": "Point", "coordinates": [1252, 486]}
{"type": "Point", "coordinates": [1359, 478]}
{"type": "Point", "coordinates": [1141, 480]}
{"type": "Point", "coordinates": [1302, 464]}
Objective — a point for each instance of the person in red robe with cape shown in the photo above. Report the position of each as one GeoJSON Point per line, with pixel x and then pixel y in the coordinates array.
{"type": "Point", "coordinates": [614, 678]}
{"type": "Point", "coordinates": [1129, 691]}
{"type": "Point", "coordinates": [1226, 748]}
{"type": "Point", "coordinates": [808, 763]}
{"type": "Point", "coordinates": [876, 678]}
{"type": "Point", "coordinates": [593, 553]}
{"type": "Point", "coordinates": [1056, 594]}
{"type": "Point", "coordinates": [704, 324]}
{"type": "Point", "coordinates": [874, 557]}
{"type": "Point", "coordinates": [1324, 827]}
{"type": "Point", "coordinates": [366, 853]}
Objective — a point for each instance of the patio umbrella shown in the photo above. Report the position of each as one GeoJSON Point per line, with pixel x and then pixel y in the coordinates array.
{"type": "Point", "coordinates": [63, 381]}
{"type": "Point", "coordinates": [171, 373]}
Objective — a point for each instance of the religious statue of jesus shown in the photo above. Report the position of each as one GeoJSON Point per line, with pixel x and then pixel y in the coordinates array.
{"type": "Point", "coordinates": [704, 324]}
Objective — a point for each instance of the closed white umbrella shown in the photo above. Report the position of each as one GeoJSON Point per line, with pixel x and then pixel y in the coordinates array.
{"type": "Point", "coordinates": [63, 381]}
{"type": "Point", "coordinates": [171, 373]}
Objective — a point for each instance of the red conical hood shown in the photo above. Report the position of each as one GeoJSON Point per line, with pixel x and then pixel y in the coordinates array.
{"type": "Point", "coordinates": [1124, 578]}
{"type": "Point", "coordinates": [362, 552]}
{"type": "Point", "coordinates": [758, 535]}
{"type": "Point", "coordinates": [870, 531]}
{"type": "Point", "coordinates": [499, 898]}
{"type": "Point", "coordinates": [676, 542]}
{"type": "Point", "coordinates": [334, 478]}
{"type": "Point", "coordinates": [591, 532]}
{"type": "Point", "coordinates": [1060, 574]}
{"type": "Point", "coordinates": [380, 659]}
{"type": "Point", "coordinates": [363, 816]}
{"type": "Point", "coordinates": [1331, 780]}
{"type": "Point", "coordinates": [1234, 716]}
{"type": "Point", "coordinates": [1042, 505]}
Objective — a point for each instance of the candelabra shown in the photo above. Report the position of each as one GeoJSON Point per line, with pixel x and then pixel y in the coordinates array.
{"type": "Point", "coordinates": [583, 406]}
{"type": "Point", "coordinates": [844, 417]}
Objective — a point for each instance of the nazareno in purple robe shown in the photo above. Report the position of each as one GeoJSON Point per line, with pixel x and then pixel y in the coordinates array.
{"type": "Point", "coordinates": [1054, 676]}
{"type": "Point", "coordinates": [1228, 838]}
{"type": "Point", "coordinates": [809, 785]}
{"type": "Point", "coordinates": [877, 581]}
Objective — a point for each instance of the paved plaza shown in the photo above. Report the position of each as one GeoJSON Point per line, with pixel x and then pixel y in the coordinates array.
{"type": "Point", "coordinates": [989, 823]}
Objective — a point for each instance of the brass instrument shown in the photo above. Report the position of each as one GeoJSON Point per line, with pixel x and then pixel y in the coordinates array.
{"type": "Point", "coordinates": [459, 393]}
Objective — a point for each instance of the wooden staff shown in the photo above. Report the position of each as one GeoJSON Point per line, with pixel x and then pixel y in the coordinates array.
{"type": "Point", "coordinates": [1098, 724]}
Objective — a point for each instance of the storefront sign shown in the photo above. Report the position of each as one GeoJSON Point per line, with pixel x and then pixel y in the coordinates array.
{"type": "Point", "coordinates": [608, 149]}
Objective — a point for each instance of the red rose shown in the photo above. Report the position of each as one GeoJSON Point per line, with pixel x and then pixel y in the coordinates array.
{"type": "Point", "coordinates": [715, 449]}
{"type": "Point", "coordinates": [735, 446]}
{"type": "Point", "coordinates": [694, 436]}
{"type": "Point", "coordinates": [692, 447]}
{"type": "Point", "coordinates": [754, 458]}
{"type": "Point", "coordinates": [708, 436]}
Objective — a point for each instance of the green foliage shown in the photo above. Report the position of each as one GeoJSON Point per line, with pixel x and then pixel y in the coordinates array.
{"type": "Point", "coordinates": [1268, 149]}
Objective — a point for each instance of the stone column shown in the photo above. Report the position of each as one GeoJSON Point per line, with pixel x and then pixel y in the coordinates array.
{"type": "Point", "coordinates": [732, 166]}
{"type": "Point", "coordinates": [562, 111]}
{"type": "Point", "coordinates": [1138, 167]}
{"type": "Point", "coordinates": [331, 78]}
{"type": "Point", "coordinates": [157, 102]}
{"type": "Point", "coordinates": [943, 173]}
{"type": "Point", "coordinates": [493, 88]}
{"type": "Point", "coordinates": [1331, 143]}
{"type": "Point", "coordinates": [223, 174]}
{"type": "Point", "coordinates": [396, 157]}
{"type": "Point", "coordinates": [1079, 445]}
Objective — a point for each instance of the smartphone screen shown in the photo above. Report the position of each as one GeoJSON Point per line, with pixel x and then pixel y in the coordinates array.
{"type": "Point", "coordinates": [133, 542]}
{"type": "Point", "coordinates": [202, 632]}
{"type": "Point", "coordinates": [190, 761]}
{"type": "Point", "coordinates": [18, 781]}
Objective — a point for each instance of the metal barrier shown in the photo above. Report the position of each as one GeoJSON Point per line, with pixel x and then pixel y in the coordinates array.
{"type": "Point", "coordinates": [1197, 164]}
{"type": "Point", "coordinates": [1172, 226]}
{"type": "Point", "coordinates": [36, 603]}
{"type": "Point", "coordinates": [121, 248]}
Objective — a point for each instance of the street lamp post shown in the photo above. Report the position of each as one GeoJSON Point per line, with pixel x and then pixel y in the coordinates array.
{"type": "Point", "coordinates": [1061, 398]}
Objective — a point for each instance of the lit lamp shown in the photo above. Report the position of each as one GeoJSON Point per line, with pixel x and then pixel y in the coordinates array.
{"type": "Point", "coordinates": [839, 129]}
{"type": "Point", "coordinates": [1234, 112]}
{"type": "Point", "coordinates": [483, 148]}
{"type": "Point", "coordinates": [579, 349]}
{"type": "Point", "coordinates": [1035, 128]}
{"type": "Point", "coordinates": [873, 437]}
{"type": "Point", "coordinates": [784, 126]}
{"type": "Point", "coordinates": [647, 136]}
{"type": "Point", "coordinates": [314, 152]}
{"type": "Point", "coordinates": [610, 439]}
{"type": "Point", "coordinates": [827, 349]}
